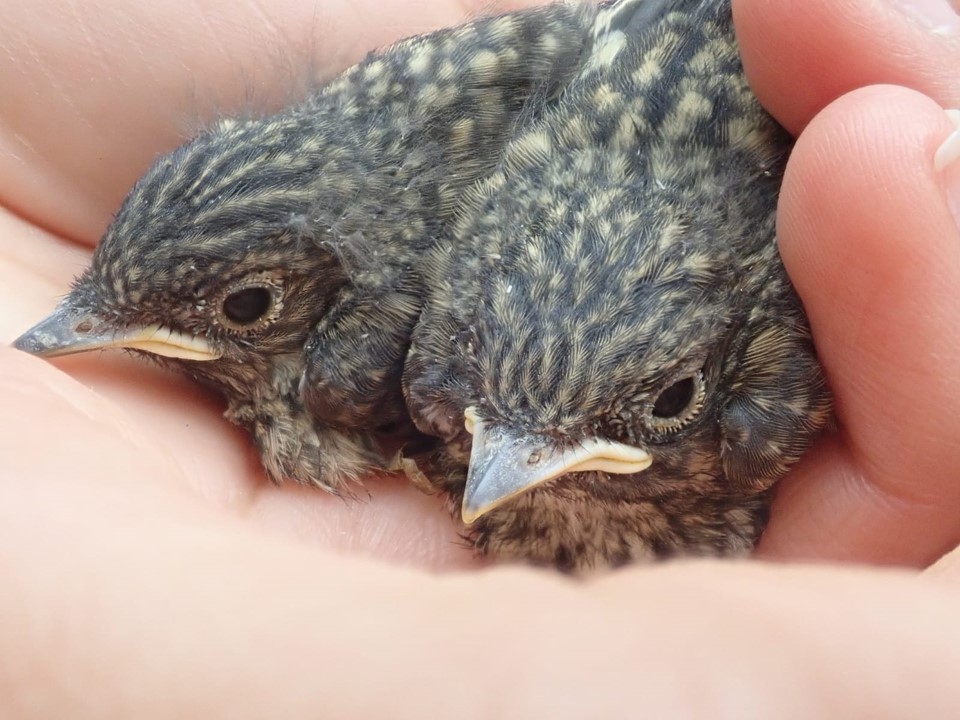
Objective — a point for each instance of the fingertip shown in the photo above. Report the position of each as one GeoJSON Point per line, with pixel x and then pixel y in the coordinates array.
{"type": "Point", "coordinates": [864, 221]}
{"type": "Point", "coordinates": [867, 160]}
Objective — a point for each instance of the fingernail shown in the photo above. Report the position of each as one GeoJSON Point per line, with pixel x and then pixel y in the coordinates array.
{"type": "Point", "coordinates": [945, 162]}
{"type": "Point", "coordinates": [949, 151]}
{"type": "Point", "coordinates": [941, 16]}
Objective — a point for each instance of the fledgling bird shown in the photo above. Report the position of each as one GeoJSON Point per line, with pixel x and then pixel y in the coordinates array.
{"type": "Point", "coordinates": [277, 259]}
{"type": "Point", "coordinates": [613, 342]}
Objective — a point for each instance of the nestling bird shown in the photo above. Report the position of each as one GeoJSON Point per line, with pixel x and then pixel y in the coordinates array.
{"type": "Point", "coordinates": [277, 259]}
{"type": "Point", "coordinates": [612, 340]}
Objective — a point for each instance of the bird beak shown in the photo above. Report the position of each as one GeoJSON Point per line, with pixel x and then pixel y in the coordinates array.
{"type": "Point", "coordinates": [504, 464]}
{"type": "Point", "coordinates": [70, 329]}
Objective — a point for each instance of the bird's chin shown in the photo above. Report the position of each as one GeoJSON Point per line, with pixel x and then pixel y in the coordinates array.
{"type": "Point", "coordinates": [574, 527]}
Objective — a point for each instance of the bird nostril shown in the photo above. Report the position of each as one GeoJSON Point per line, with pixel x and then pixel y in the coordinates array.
{"type": "Point", "coordinates": [84, 326]}
{"type": "Point", "coordinates": [534, 457]}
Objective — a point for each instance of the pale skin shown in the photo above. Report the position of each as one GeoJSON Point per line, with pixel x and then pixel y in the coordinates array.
{"type": "Point", "coordinates": [148, 568]}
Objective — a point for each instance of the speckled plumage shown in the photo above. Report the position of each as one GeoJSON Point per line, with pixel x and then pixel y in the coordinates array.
{"type": "Point", "coordinates": [625, 245]}
{"type": "Point", "coordinates": [321, 213]}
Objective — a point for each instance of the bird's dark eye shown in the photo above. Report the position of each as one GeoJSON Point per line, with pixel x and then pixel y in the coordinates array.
{"type": "Point", "coordinates": [247, 305]}
{"type": "Point", "coordinates": [678, 404]}
{"type": "Point", "coordinates": [250, 303]}
{"type": "Point", "coordinates": [674, 399]}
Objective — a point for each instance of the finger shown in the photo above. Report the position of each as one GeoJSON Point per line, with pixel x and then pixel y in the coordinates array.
{"type": "Point", "coordinates": [800, 55]}
{"type": "Point", "coordinates": [868, 237]}
{"type": "Point", "coordinates": [201, 621]}
{"type": "Point", "coordinates": [89, 101]}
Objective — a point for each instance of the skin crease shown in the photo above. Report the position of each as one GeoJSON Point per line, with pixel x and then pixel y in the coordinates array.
{"type": "Point", "coordinates": [148, 568]}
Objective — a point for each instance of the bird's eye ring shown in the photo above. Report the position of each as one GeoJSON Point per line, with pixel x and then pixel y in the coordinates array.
{"type": "Point", "coordinates": [251, 303]}
{"type": "Point", "coordinates": [677, 404]}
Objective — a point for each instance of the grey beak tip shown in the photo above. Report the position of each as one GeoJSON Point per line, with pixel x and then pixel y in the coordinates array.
{"type": "Point", "coordinates": [56, 334]}
{"type": "Point", "coordinates": [27, 343]}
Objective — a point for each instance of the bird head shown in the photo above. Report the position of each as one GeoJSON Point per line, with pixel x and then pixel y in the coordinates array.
{"type": "Point", "coordinates": [599, 348]}
{"type": "Point", "coordinates": [210, 263]}
{"type": "Point", "coordinates": [634, 374]}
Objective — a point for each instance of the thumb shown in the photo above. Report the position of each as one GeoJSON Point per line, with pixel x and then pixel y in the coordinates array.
{"type": "Point", "coordinates": [868, 237]}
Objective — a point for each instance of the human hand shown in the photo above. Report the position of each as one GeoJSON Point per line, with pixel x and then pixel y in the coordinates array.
{"type": "Point", "coordinates": [143, 556]}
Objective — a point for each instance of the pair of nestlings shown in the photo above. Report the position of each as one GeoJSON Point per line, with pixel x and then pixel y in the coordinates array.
{"type": "Point", "coordinates": [547, 236]}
